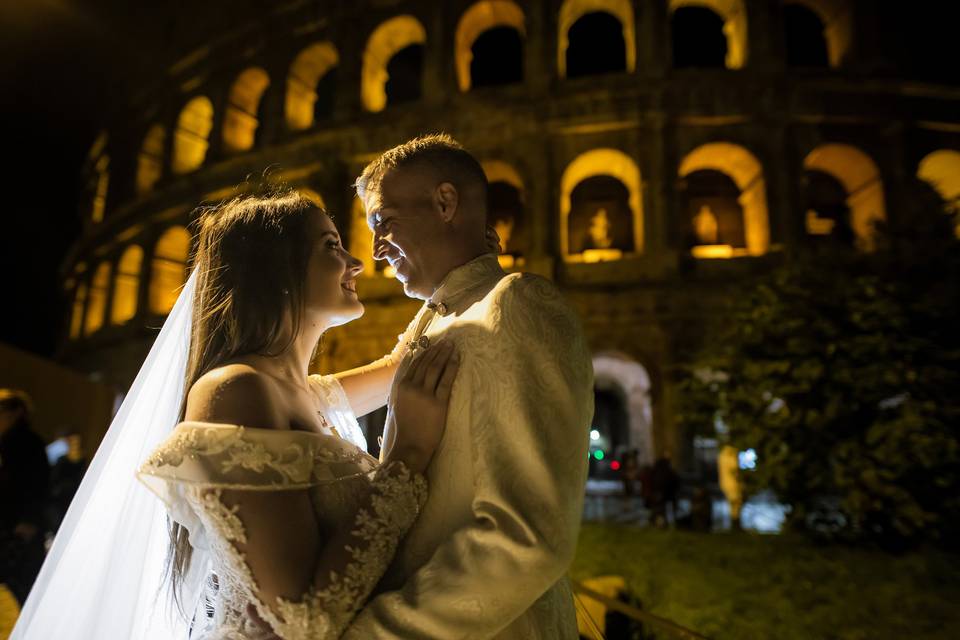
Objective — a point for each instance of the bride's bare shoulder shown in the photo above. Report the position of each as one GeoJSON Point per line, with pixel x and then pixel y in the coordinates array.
{"type": "Point", "coordinates": [235, 393]}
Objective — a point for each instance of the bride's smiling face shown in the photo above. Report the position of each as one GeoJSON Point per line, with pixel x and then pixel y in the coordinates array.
{"type": "Point", "coordinates": [331, 283]}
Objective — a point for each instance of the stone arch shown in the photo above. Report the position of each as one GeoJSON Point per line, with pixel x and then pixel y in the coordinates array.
{"type": "Point", "coordinates": [97, 299]}
{"type": "Point", "coordinates": [734, 14]}
{"type": "Point", "coordinates": [500, 171]}
{"type": "Point", "coordinates": [745, 170]}
{"type": "Point", "coordinates": [480, 17]}
{"type": "Point", "coordinates": [310, 65]}
{"type": "Point", "coordinates": [507, 188]}
{"type": "Point", "coordinates": [126, 285]}
{"type": "Point", "coordinates": [192, 137]}
{"type": "Point", "coordinates": [312, 196]}
{"type": "Point", "coordinates": [861, 179]}
{"type": "Point", "coordinates": [630, 378]}
{"type": "Point", "coordinates": [573, 10]}
{"type": "Point", "coordinates": [941, 170]}
{"type": "Point", "coordinates": [386, 40]}
{"type": "Point", "coordinates": [837, 18]}
{"type": "Point", "coordinates": [241, 120]}
{"type": "Point", "coordinates": [600, 162]}
{"type": "Point", "coordinates": [150, 160]}
{"type": "Point", "coordinates": [168, 269]}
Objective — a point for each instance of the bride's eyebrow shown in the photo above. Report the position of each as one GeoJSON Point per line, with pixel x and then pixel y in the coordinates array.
{"type": "Point", "coordinates": [332, 234]}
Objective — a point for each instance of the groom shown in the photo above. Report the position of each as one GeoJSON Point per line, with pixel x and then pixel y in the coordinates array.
{"type": "Point", "coordinates": [489, 552]}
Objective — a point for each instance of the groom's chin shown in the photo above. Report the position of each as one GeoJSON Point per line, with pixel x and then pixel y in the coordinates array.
{"type": "Point", "coordinates": [411, 292]}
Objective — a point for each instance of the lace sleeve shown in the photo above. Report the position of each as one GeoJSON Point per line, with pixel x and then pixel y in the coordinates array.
{"type": "Point", "coordinates": [352, 562]}
{"type": "Point", "coordinates": [244, 495]}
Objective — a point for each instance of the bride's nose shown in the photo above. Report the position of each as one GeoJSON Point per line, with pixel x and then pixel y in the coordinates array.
{"type": "Point", "coordinates": [354, 266]}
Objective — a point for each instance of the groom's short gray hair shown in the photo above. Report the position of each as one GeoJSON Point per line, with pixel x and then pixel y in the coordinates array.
{"type": "Point", "coordinates": [437, 152]}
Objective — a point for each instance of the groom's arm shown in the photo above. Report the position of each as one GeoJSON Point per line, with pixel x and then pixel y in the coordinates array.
{"type": "Point", "coordinates": [531, 399]}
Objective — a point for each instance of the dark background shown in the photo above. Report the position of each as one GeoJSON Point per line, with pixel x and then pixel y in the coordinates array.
{"type": "Point", "coordinates": [64, 62]}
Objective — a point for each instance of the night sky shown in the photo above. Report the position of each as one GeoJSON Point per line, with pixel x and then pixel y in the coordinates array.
{"type": "Point", "coordinates": [64, 62]}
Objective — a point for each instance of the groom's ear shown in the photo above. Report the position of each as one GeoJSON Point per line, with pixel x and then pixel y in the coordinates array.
{"type": "Point", "coordinates": [446, 199]}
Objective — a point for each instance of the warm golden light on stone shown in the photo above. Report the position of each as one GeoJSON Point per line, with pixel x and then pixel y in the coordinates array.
{"type": "Point", "coordinates": [941, 170]}
{"type": "Point", "coordinates": [79, 302]}
{"type": "Point", "coordinates": [312, 196]}
{"type": "Point", "coordinates": [150, 160]}
{"type": "Point", "coordinates": [573, 10]}
{"type": "Point", "coordinates": [860, 177]}
{"type": "Point", "coordinates": [97, 300]}
{"type": "Point", "coordinates": [100, 191]}
{"type": "Point", "coordinates": [500, 171]}
{"type": "Point", "coordinates": [386, 40]}
{"type": "Point", "coordinates": [168, 269]}
{"type": "Point", "coordinates": [734, 15]}
{"type": "Point", "coordinates": [480, 17]}
{"type": "Point", "coordinates": [126, 285]}
{"type": "Point", "coordinates": [191, 140]}
{"type": "Point", "coordinates": [240, 122]}
{"type": "Point", "coordinates": [361, 238]}
{"type": "Point", "coordinates": [600, 162]}
{"type": "Point", "coordinates": [837, 17]}
{"type": "Point", "coordinates": [744, 169]}
{"type": "Point", "coordinates": [308, 67]}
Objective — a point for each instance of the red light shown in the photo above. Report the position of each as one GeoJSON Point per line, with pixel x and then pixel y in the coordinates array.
{"type": "Point", "coordinates": [615, 465]}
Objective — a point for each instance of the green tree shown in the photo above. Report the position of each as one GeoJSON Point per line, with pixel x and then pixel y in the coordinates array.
{"type": "Point", "coordinates": [842, 371]}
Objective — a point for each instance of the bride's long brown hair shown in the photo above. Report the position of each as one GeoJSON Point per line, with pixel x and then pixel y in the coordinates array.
{"type": "Point", "coordinates": [251, 264]}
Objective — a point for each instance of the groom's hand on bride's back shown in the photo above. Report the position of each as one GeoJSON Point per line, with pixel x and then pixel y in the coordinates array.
{"type": "Point", "coordinates": [420, 410]}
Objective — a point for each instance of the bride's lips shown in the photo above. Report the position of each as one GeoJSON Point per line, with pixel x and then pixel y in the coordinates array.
{"type": "Point", "coordinates": [350, 285]}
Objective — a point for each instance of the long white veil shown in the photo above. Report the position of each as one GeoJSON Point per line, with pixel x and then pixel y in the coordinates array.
{"type": "Point", "coordinates": [102, 579]}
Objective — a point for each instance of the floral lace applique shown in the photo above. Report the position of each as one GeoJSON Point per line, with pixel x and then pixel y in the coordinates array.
{"type": "Point", "coordinates": [395, 497]}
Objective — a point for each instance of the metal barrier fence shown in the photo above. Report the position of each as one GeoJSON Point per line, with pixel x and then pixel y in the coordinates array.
{"type": "Point", "coordinates": [673, 629]}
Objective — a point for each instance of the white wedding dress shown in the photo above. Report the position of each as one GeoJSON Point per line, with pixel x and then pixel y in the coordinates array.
{"type": "Point", "coordinates": [348, 488]}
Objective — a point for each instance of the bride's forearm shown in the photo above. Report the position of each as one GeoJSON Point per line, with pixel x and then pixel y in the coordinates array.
{"type": "Point", "coordinates": [368, 387]}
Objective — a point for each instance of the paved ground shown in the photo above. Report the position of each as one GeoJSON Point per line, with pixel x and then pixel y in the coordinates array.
{"type": "Point", "coordinates": [8, 611]}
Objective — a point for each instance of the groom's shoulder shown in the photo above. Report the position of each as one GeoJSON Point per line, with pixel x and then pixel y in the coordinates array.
{"type": "Point", "coordinates": [528, 298]}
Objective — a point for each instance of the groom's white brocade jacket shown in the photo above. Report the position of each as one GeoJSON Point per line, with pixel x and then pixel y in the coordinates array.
{"type": "Point", "coordinates": [488, 555]}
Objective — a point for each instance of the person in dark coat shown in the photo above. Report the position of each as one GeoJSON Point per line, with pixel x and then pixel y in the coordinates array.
{"type": "Point", "coordinates": [24, 483]}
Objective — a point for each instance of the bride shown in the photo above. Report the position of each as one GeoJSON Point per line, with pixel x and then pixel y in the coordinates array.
{"type": "Point", "coordinates": [280, 525]}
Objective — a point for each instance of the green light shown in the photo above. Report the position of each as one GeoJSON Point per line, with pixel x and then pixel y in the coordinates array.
{"type": "Point", "coordinates": [598, 454]}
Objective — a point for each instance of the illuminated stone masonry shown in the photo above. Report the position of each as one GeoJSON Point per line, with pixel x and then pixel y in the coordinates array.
{"type": "Point", "coordinates": [646, 155]}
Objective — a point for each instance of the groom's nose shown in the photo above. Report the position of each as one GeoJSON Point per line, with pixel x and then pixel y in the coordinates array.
{"type": "Point", "coordinates": [381, 248]}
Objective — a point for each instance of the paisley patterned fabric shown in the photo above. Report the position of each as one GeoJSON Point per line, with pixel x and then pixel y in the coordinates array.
{"type": "Point", "coordinates": [488, 555]}
{"type": "Point", "coordinates": [348, 488]}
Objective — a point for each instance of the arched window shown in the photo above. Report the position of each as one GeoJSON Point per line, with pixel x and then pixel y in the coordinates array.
{"type": "Point", "coordinates": [596, 36]}
{"type": "Point", "coordinates": [723, 180]}
{"type": "Point", "coordinates": [826, 211]}
{"type": "Point", "coordinates": [126, 285]}
{"type": "Point", "coordinates": [601, 216]}
{"type": "Point", "coordinates": [150, 160]}
{"type": "Point", "coordinates": [97, 300]}
{"type": "Point", "coordinates": [385, 79]}
{"type": "Point", "coordinates": [506, 211]}
{"type": "Point", "coordinates": [709, 33]}
{"type": "Point", "coordinates": [806, 42]}
{"type": "Point", "coordinates": [79, 301]}
{"type": "Point", "coordinates": [861, 181]}
{"type": "Point", "coordinates": [168, 269]}
{"type": "Point", "coordinates": [310, 86]}
{"type": "Point", "coordinates": [814, 26]}
{"type": "Point", "coordinates": [624, 386]}
{"type": "Point", "coordinates": [242, 117]}
{"type": "Point", "coordinates": [191, 139]}
{"type": "Point", "coordinates": [489, 44]}
{"type": "Point", "coordinates": [941, 170]}
{"type": "Point", "coordinates": [714, 213]}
